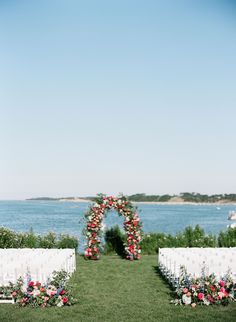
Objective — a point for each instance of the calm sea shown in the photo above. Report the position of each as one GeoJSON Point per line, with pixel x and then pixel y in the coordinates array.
{"type": "Point", "coordinates": [68, 217]}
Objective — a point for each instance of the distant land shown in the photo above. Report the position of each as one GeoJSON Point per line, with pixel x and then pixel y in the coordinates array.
{"type": "Point", "coordinates": [185, 197]}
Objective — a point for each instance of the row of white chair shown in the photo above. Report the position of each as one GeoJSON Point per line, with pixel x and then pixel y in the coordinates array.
{"type": "Point", "coordinates": [197, 261]}
{"type": "Point", "coordinates": [36, 264]}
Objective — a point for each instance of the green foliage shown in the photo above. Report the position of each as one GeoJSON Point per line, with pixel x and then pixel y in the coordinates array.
{"type": "Point", "coordinates": [114, 239]}
{"type": "Point", "coordinates": [8, 239]}
{"type": "Point", "coordinates": [152, 242]}
{"type": "Point", "coordinates": [142, 197]}
{"type": "Point", "coordinates": [190, 237]}
{"type": "Point", "coordinates": [29, 240]}
{"type": "Point", "coordinates": [67, 241]}
{"type": "Point", "coordinates": [194, 237]}
{"type": "Point", "coordinates": [185, 196]}
{"type": "Point", "coordinates": [11, 239]}
{"type": "Point", "coordinates": [6, 291]}
{"type": "Point", "coordinates": [164, 198]}
{"type": "Point", "coordinates": [197, 197]}
{"type": "Point", "coordinates": [47, 241]}
{"type": "Point", "coordinates": [227, 238]}
{"type": "Point", "coordinates": [59, 278]}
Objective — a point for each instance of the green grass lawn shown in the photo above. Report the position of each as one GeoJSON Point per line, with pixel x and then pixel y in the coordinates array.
{"type": "Point", "coordinates": [112, 290]}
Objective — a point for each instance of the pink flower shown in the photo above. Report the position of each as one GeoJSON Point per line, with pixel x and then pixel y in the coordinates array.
{"type": "Point", "coordinates": [31, 283]}
{"type": "Point", "coordinates": [14, 294]}
{"type": "Point", "coordinates": [200, 296]}
{"type": "Point", "coordinates": [210, 298]}
{"type": "Point", "coordinates": [222, 289]}
{"type": "Point", "coordinates": [222, 283]}
{"type": "Point", "coordinates": [185, 290]}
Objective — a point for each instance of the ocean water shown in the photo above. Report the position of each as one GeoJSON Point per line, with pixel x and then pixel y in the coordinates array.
{"type": "Point", "coordinates": [68, 217]}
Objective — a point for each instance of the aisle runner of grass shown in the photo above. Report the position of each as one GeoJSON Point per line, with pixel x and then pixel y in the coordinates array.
{"type": "Point", "coordinates": [113, 290]}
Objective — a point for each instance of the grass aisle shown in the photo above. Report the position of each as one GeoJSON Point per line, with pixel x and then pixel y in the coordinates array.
{"type": "Point", "coordinates": [118, 290]}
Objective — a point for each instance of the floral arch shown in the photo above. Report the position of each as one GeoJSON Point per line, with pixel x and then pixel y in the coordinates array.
{"type": "Point", "coordinates": [132, 226]}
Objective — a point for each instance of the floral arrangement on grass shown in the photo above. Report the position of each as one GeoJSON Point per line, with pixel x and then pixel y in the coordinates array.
{"type": "Point", "coordinates": [56, 293]}
{"type": "Point", "coordinates": [132, 226]}
{"type": "Point", "coordinates": [206, 290]}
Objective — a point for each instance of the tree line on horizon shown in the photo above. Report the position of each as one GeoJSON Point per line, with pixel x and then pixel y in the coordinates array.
{"type": "Point", "coordinates": [142, 197]}
{"type": "Point", "coordinates": [185, 196]}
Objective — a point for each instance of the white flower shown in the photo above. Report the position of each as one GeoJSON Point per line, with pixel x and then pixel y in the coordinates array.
{"type": "Point", "coordinates": [186, 299]}
{"type": "Point", "coordinates": [36, 292]}
{"type": "Point", "coordinates": [60, 304]}
{"type": "Point", "coordinates": [206, 302]}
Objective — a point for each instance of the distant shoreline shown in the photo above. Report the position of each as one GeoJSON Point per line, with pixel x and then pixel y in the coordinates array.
{"type": "Point", "coordinates": [185, 203]}
{"type": "Point", "coordinates": [174, 203]}
{"type": "Point", "coordinates": [184, 198]}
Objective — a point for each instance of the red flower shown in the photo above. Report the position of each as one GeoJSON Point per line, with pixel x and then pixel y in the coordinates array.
{"type": "Point", "coordinates": [226, 294]}
{"type": "Point", "coordinates": [31, 283]}
{"type": "Point", "coordinates": [212, 288]}
{"type": "Point", "coordinates": [62, 292]}
{"type": "Point", "coordinates": [65, 300]}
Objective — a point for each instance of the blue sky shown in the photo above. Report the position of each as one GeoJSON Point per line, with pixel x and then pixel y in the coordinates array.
{"type": "Point", "coordinates": [125, 96]}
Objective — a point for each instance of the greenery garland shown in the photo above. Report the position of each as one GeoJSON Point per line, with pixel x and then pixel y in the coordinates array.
{"type": "Point", "coordinates": [132, 225]}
